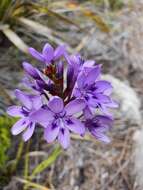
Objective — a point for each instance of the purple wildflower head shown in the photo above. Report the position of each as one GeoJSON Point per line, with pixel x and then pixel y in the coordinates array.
{"type": "Point", "coordinates": [30, 103]}
{"type": "Point", "coordinates": [98, 125]}
{"type": "Point", "coordinates": [67, 92]}
{"type": "Point", "coordinates": [93, 90]}
{"type": "Point", "coordinates": [48, 54]}
{"type": "Point", "coordinates": [59, 120]}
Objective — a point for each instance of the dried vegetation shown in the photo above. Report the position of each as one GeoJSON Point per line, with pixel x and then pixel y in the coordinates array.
{"type": "Point", "coordinates": [112, 37]}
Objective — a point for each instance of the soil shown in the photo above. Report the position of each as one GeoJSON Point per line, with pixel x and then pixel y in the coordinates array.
{"type": "Point", "coordinates": [87, 164]}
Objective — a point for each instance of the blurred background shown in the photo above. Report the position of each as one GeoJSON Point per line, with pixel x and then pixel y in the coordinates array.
{"type": "Point", "coordinates": [108, 31]}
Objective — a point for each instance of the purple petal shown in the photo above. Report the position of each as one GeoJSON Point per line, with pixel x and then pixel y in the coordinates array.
{"type": "Point", "coordinates": [87, 113]}
{"type": "Point", "coordinates": [75, 106]}
{"type": "Point", "coordinates": [89, 63]}
{"type": "Point", "coordinates": [19, 126]}
{"type": "Point", "coordinates": [15, 111]}
{"type": "Point", "coordinates": [113, 104]}
{"type": "Point", "coordinates": [70, 76]}
{"type": "Point", "coordinates": [81, 81]}
{"type": "Point", "coordinates": [76, 92]}
{"type": "Point", "coordinates": [36, 54]}
{"type": "Point", "coordinates": [74, 60]}
{"type": "Point", "coordinates": [108, 91]}
{"type": "Point", "coordinates": [101, 129]}
{"type": "Point", "coordinates": [75, 126]}
{"type": "Point", "coordinates": [101, 86]}
{"type": "Point", "coordinates": [48, 52]}
{"type": "Point", "coordinates": [43, 77]}
{"type": "Point", "coordinates": [23, 98]}
{"type": "Point", "coordinates": [60, 69]}
{"type": "Point", "coordinates": [43, 86]}
{"type": "Point", "coordinates": [64, 137]}
{"type": "Point", "coordinates": [93, 75]}
{"type": "Point", "coordinates": [42, 116]}
{"type": "Point", "coordinates": [29, 132]}
{"type": "Point", "coordinates": [30, 70]}
{"type": "Point", "coordinates": [102, 137]}
{"type": "Point", "coordinates": [51, 132]}
{"type": "Point", "coordinates": [36, 102]}
{"type": "Point", "coordinates": [68, 59]}
{"type": "Point", "coordinates": [104, 119]}
{"type": "Point", "coordinates": [91, 101]}
{"type": "Point", "coordinates": [27, 82]}
{"type": "Point", "coordinates": [102, 98]}
{"type": "Point", "coordinates": [56, 104]}
{"type": "Point", "coordinates": [59, 51]}
{"type": "Point", "coordinates": [103, 109]}
{"type": "Point", "coordinates": [86, 70]}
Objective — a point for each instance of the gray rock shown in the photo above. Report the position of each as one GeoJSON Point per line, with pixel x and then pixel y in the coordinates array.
{"type": "Point", "coordinates": [129, 102]}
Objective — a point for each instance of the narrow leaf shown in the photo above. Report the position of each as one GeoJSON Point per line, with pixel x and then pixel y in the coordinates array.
{"type": "Point", "coordinates": [42, 30]}
{"type": "Point", "coordinates": [97, 19]}
{"type": "Point", "coordinates": [15, 39]}
{"type": "Point", "coordinates": [59, 16]}
{"type": "Point", "coordinates": [18, 156]}
{"type": "Point", "coordinates": [35, 26]}
{"type": "Point", "coordinates": [31, 184]}
{"type": "Point", "coordinates": [46, 163]}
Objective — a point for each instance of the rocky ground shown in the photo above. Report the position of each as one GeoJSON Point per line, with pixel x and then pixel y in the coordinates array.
{"type": "Point", "coordinates": [88, 164]}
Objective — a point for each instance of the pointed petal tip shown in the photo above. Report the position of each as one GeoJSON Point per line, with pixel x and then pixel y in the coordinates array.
{"type": "Point", "coordinates": [103, 138]}
{"type": "Point", "coordinates": [36, 54]}
{"type": "Point", "coordinates": [30, 70]}
{"type": "Point", "coordinates": [14, 111]}
{"type": "Point", "coordinates": [64, 138]}
{"type": "Point", "coordinates": [48, 52]}
{"type": "Point", "coordinates": [30, 49]}
{"type": "Point", "coordinates": [8, 111]}
{"type": "Point", "coordinates": [28, 132]}
{"type": "Point", "coordinates": [19, 126]}
{"type": "Point", "coordinates": [59, 51]}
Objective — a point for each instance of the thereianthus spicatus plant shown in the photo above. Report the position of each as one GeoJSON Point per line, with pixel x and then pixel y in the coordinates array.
{"type": "Point", "coordinates": [67, 97]}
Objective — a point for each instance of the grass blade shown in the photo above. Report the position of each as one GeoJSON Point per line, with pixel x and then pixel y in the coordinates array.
{"type": "Point", "coordinates": [57, 15]}
{"type": "Point", "coordinates": [26, 164]}
{"type": "Point", "coordinates": [31, 184]}
{"type": "Point", "coordinates": [42, 30]}
{"type": "Point", "coordinates": [4, 5]}
{"type": "Point", "coordinates": [18, 156]}
{"type": "Point", "coordinates": [15, 39]}
{"type": "Point", "coordinates": [35, 26]}
{"type": "Point", "coordinates": [46, 163]}
{"type": "Point", "coordinates": [101, 24]}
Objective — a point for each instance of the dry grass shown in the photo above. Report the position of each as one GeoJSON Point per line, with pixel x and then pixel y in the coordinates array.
{"type": "Point", "coordinates": [88, 164]}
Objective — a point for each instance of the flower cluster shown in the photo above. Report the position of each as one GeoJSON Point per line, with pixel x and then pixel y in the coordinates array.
{"type": "Point", "coordinates": [67, 97]}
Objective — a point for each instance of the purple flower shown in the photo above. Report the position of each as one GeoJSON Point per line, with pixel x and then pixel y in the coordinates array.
{"type": "Point", "coordinates": [40, 83]}
{"type": "Point", "coordinates": [92, 90]}
{"type": "Point", "coordinates": [98, 125]}
{"type": "Point", "coordinates": [67, 100]}
{"type": "Point", "coordinates": [59, 69]}
{"type": "Point", "coordinates": [60, 120]}
{"type": "Point", "coordinates": [48, 53]}
{"type": "Point", "coordinates": [30, 103]}
{"type": "Point", "coordinates": [75, 65]}
{"type": "Point", "coordinates": [31, 71]}
{"type": "Point", "coordinates": [78, 63]}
